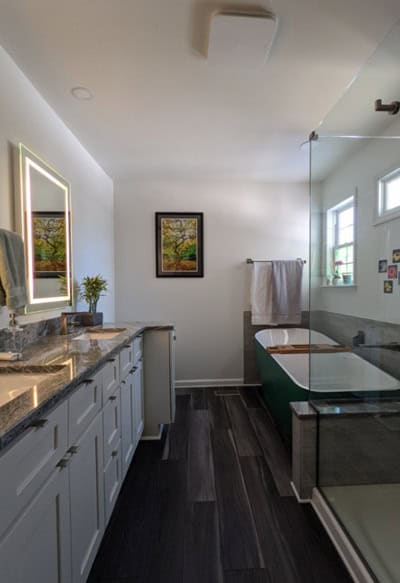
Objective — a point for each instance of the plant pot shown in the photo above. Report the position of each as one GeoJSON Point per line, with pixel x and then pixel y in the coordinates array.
{"type": "Point", "coordinates": [336, 280]}
{"type": "Point", "coordinates": [91, 318]}
{"type": "Point", "coordinates": [347, 278]}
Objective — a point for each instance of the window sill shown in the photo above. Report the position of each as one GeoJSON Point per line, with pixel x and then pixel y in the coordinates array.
{"type": "Point", "coordinates": [339, 286]}
{"type": "Point", "coordinates": [386, 218]}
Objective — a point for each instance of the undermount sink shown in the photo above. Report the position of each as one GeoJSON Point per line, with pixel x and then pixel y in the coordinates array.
{"type": "Point", "coordinates": [16, 380]}
{"type": "Point", "coordinates": [14, 384]}
{"type": "Point", "coordinates": [99, 334]}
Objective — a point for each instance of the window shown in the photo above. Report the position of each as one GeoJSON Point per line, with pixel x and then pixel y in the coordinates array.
{"type": "Point", "coordinates": [389, 194]}
{"type": "Point", "coordinates": [341, 243]}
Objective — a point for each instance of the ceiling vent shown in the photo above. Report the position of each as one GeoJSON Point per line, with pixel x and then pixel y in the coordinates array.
{"type": "Point", "coordinates": [241, 40]}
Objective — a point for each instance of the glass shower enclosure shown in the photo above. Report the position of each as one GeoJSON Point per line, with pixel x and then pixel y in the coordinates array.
{"type": "Point", "coordinates": [355, 304]}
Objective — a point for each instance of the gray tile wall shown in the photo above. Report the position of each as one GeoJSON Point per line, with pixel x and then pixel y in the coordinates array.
{"type": "Point", "coordinates": [17, 340]}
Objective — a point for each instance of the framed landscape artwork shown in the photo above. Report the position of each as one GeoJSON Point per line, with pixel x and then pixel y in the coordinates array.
{"type": "Point", "coordinates": [179, 245]}
{"type": "Point", "coordinates": [49, 240]}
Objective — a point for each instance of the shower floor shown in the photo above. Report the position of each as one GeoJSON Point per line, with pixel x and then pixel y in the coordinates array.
{"type": "Point", "coordinates": [371, 515]}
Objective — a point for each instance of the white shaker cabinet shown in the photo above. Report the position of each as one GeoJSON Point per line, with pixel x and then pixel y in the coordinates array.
{"type": "Point", "coordinates": [87, 499]}
{"type": "Point", "coordinates": [138, 400]}
{"type": "Point", "coordinates": [128, 434]}
{"type": "Point", "coordinates": [38, 546]}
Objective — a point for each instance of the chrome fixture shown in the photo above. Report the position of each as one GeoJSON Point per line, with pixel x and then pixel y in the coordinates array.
{"type": "Point", "coordinates": [249, 260]}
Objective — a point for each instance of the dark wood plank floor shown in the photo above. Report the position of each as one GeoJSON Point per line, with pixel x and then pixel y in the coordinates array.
{"type": "Point", "coordinates": [212, 503]}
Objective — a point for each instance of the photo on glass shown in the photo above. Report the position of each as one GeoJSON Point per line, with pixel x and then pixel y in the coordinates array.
{"type": "Point", "coordinates": [179, 244]}
{"type": "Point", "coordinates": [382, 266]}
{"type": "Point", "coordinates": [388, 286]}
{"type": "Point", "coordinates": [396, 256]}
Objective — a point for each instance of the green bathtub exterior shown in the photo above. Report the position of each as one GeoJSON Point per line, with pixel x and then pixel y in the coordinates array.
{"type": "Point", "coordinates": [278, 390]}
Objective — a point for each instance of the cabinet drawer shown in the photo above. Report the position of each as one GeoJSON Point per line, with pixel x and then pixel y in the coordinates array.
{"type": "Point", "coordinates": [125, 360]}
{"type": "Point", "coordinates": [137, 349]}
{"type": "Point", "coordinates": [84, 405]}
{"type": "Point", "coordinates": [111, 424]}
{"type": "Point", "coordinates": [112, 480]}
{"type": "Point", "coordinates": [28, 464]}
{"type": "Point", "coordinates": [110, 372]}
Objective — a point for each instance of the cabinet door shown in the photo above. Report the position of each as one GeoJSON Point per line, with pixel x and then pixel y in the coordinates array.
{"type": "Point", "coordinates": [125, 360]}
{"type": "Point", "coordinates": [87, 499]}
{"type": "Point", "coordinates": [111, 424]}
{"type": "Point", "coordinates": [138, 404]}
{"type": "Point", "coordinates": [112, 480]}
{"type": "Point", "coordinates": [128, 434]}
{"type": "Point", "coordinates": [38, 546]}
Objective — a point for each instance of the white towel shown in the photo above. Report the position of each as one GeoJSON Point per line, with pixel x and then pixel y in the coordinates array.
{"type": "Point", "coordinates": [286, 291]}
{"type": "Point", "coordinates": [261, 293]}
{"type": "Point", "coordinates": [276, 292]}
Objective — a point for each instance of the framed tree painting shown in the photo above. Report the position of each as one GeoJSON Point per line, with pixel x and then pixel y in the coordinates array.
{"type": "Point", "coordinates": [179, 245]}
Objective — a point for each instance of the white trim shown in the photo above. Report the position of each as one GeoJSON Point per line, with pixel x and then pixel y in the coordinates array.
{"type": "Point", "coordinates": [200, 383]}
{"type": "Point", "coordinates": [341, 541]}
{"type": "Point", "coordinates": [297, 495]}
{"type": "Point", "coordinates": [153, 437]}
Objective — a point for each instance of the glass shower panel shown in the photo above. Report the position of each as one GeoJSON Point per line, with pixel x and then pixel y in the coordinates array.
{"type": "Point", "coordinates": [355, 371]}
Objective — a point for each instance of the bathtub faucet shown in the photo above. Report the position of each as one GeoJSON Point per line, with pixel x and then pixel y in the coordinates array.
{"type": "Point", "coordinates": [359, 338]}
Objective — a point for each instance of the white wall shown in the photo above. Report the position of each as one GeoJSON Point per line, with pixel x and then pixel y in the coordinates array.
{"type": "Point", "coordinates": [360, 174]}
{"type": "Point", "coordinates": [241, 220]}
{"type": "Point", "coordinates": [25, 117]}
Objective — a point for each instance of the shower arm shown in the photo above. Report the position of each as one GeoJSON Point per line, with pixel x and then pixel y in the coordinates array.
{"type": "Point", "coordinates": [392, 108]}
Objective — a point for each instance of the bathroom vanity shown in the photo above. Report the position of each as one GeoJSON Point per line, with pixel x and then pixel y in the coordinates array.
{"type": "Point", "coordinates": [66, 444]}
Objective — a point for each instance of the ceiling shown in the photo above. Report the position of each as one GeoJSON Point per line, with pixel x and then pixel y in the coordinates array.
{"type": "Point", "coordinates": [160, 109]}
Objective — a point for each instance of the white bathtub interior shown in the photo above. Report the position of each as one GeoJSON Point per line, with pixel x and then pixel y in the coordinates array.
{"type": "Point", "coordinates": [343, 372]}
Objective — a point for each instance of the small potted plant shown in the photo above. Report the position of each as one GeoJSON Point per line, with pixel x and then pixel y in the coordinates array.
{"type": "Point", "coordinates": [90, 290]}
{"type": "Point", "coordinates": [336, 277]}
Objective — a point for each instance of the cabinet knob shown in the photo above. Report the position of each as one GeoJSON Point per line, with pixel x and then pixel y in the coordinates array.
{"type": "Point", "coordinates": [112, 398]}
{"type": "Point", "coordinates": [114, 453]}
{"type": "Point", "coordinates": [123, 382]}
{"type": "Point", "coordinates": [38, 423]}
{"type": "Point", "coordinates": [133, 369]}
{"type": "Point", "coordinates": [73, 449]}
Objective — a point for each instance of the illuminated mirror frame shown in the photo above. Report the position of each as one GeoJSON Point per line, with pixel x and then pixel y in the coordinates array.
{"type": "Point", "coordinates": [27, 161]}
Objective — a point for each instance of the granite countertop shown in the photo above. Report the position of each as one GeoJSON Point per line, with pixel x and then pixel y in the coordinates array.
{"type": "Point", "coordinates": [81, 358]}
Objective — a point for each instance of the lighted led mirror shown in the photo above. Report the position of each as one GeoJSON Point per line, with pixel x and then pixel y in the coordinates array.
{"type": "Point", "coordinates": [44, 215]}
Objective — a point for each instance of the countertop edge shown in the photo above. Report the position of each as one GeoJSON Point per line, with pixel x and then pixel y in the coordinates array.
{"type": "Point", "coordinates": [16, 431]}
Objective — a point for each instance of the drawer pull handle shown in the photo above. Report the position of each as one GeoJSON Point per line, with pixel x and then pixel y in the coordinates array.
{"type": "Point", "coordinates": [114, 453]}
{"type": "Point", "coordinates": [112, 398]}
{"type": "Point", "coordinates": [123, 382]}
{"type": "Point", "coordinates": [89, 381]}
{"type": "Point", "coordinates": [111, 360]}
{"type": "Point", "coordinates": [63, 462]}
{"type": "Point", "coordinates": [73, 449]}
{"type": "Point", "coordinates": [38, 423]}
{"type": "Point", "coordinates": [133, 369]}
{"type": "Point", "coordinates": [127, 345]}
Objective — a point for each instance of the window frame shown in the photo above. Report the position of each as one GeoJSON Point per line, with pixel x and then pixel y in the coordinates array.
{"type": "Point", "coordinates": [384, 215]}
{"type": "Point", "coordinates": [332, 237]}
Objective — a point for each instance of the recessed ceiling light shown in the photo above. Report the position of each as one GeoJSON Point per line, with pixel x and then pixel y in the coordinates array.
{"type": "Point", "coordinates": [82, 93]}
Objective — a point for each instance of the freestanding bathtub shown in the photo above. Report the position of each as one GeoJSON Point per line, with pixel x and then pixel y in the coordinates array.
{"type": "Point", "coordinates": [299, 377]}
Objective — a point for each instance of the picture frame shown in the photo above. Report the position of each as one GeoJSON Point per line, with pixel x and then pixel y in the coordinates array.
{"type": "Point", "coordinates": [179, 244]}
{"type": "Point", "coordinates": [49, 242]}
